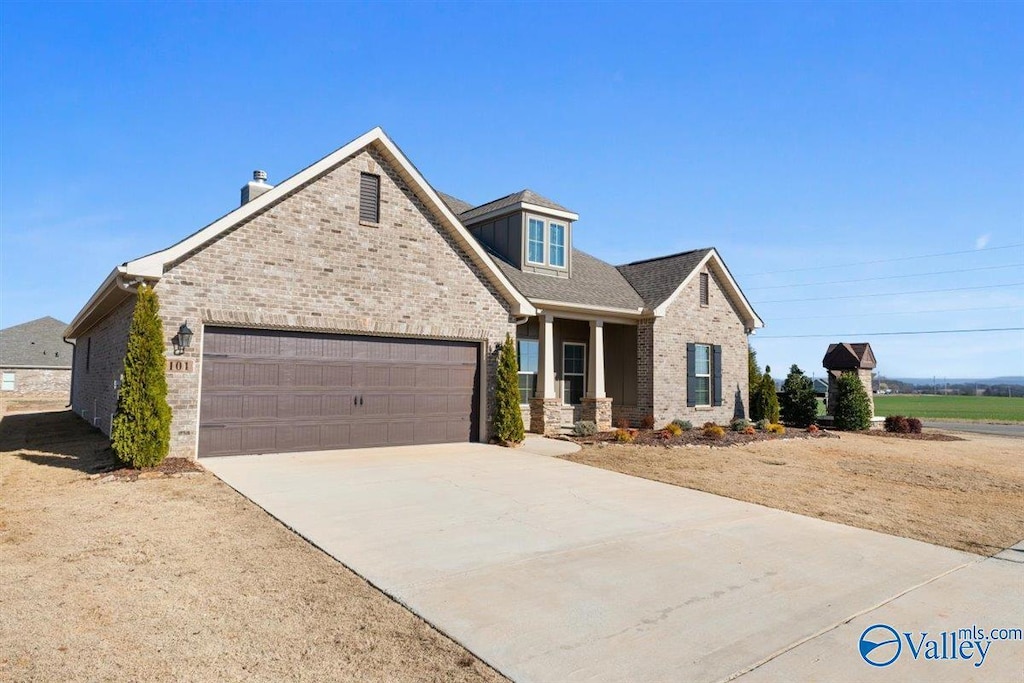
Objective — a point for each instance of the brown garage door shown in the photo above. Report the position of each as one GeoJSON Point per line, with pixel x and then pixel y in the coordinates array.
{"type": "Point", "coordinates": [268, 391]}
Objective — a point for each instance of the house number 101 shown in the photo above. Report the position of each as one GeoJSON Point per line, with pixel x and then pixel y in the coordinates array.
{"type": "Point", "coordinates": [179, 365]}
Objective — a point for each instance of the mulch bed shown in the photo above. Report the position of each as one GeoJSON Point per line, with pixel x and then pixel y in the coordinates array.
{"type": "Point", "coordinates": [171, 467]}
{"type": "Point", "coordinates": [925, 436]}
{"type": "Point", "coordinates": [695, 437]}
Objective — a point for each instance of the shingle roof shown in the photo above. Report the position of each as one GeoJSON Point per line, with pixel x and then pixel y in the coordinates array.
{"type": "Point", "coordinates": [593, 283]}
{"type": "Point", "coordinates": [527, 196]}
{"type": "Point", "coordinates": [656, 279]}
{"type": "Point", "coordinates": [846, 356]}
{"type": "Point", "coordinates": [455, 204]}
{"type": "Point", "coordinates": [35, 344]}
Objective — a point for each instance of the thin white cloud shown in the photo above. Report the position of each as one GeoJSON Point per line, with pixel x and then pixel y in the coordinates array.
{"type": "Point", "coordinates": [982, 241]}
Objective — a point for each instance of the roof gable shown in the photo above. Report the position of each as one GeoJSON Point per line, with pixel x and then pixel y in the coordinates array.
{"type": "Point", "coordinates": [847, 356]}
{"type": "Point", "coordinates": [36, 344]}
{"type": "Point", "coordinates": [152, 266]}
{"type": "Point", "coordinates": [524, 199]}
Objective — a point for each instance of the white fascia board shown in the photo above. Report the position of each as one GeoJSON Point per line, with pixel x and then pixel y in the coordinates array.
{"type": "Point", "coordinates": [524, 206]}
{"type": "Point", "coordinates": [588, 310]}
{"type": "Point", "coordinates": [753, 320]}
{"type": "Point", "coordinates": [102, 292]}
{"type": "Point", "coordinates": [152, 266]}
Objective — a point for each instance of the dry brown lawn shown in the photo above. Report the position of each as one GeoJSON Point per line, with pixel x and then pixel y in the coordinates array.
{"type": "Point", "coordinates": [180, 578]}
{"type": "Point", "coordinates": [965, 494]}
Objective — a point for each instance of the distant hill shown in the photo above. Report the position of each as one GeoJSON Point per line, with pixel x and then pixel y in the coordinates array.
{"type": "Point", "coordinates": [1013, 379]}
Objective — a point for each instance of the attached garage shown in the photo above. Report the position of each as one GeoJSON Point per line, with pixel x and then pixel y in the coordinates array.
{"type": "Point", "coordinates": [273, 391]}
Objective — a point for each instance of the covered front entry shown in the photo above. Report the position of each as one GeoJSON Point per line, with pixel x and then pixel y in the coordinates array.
{"type": "Point", "coordinates": [273, 391]}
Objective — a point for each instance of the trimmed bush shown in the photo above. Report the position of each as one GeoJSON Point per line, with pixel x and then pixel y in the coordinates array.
{"type": "Point", "coordinates": [622, 423]}
{"type": "Point", "coordinates": [914, 425]}
{"type": "Point", "coordinates": [852, 411]}
{"type": "Point", "coordinates": [739, 425]}
{"type": "Point", "coordinates": [685, 425]}
{"type": "Point", "coordinates": [764, 404]}
{"type": "Point", "coordinates": [762, 425]}
{"type": "Point", "coordinates": [813, 429]}
{"type": "Point", "coordinates": [508, 420]}
{"type": "Point", "coordinates": [647, 422]}
{"type": "Point", "coordinates": [673, 429]}
{"type": "Point", "coordinates": [799, 405]}
{"type": "Point", "coordinates": [584, 428]}
{"type": "Point", "coordinates": [623, 436]}
{"type": "Point", "coordinates": [141, 430]}
{"type": "Point", "coordinates": [749, 430]}
{"type": "Point", "coordinates": [897, 424]}
{"type": "Point", "coordinates": [753, 382]}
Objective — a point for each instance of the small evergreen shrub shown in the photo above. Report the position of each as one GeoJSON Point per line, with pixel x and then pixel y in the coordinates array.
{"type": "Point", "coordinates": [584, 428]}
{"type": "Point", "coordinates": [673, 429]}
{"type": "Point", "coordinates": [647, 422]}
{"type": "Point", "coordinates": [508, 420]}
{"type": "Point", "coordinates": [799, 405]}
{"type": "Point", "coordinates": [623, 436]}
{"type": "Point", "coordinates": [685, 425]}
{"type": "Point", "coordinates": [914, 425]}
{"type": "Point", "coordinates": [762, 425]}
{"type": "Point", "coordinates": [712, 431]}
{"type": "Point", "coordinates": [739, 425]}
{"type": "Point", "coordinates": [141, 430]}
{"type": "Point", "coordinates": [852, 410]}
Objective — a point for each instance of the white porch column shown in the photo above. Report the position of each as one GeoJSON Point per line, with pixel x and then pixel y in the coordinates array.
{"type": "Point", "coordinates": [546, 371]}
{"type": "Point", "coordinates": [595, 360]}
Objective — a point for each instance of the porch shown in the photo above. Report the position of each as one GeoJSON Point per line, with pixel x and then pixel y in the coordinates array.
{"type": "Point", "coordinates": [576, 368]}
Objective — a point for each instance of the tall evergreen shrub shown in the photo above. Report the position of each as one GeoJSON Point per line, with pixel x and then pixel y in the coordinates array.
{"type": "Point", "coordinates": [141, 431]}
{"type": "Point", "coordinates": [852, 410]}
{"type": "Point", "coordinates": [753, 384]}
{"type": "Point", "coordinates": [799, 404]}
{"type": "Point", "coordinates": [508, 420]}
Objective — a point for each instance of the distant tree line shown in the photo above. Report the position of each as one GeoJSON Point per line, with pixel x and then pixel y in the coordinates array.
{"type": "Point", "coordinates": [895, 386]}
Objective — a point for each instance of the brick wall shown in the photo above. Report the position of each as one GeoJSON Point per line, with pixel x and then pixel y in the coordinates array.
{"type": "Point", "coordinates": [308, 263]}
{"type": "Point", "coordinates": [94, 396]}
{"type": "Point", "coordinates": [39, 383]}
{"type": "Point", "coordinates": [687, 321]}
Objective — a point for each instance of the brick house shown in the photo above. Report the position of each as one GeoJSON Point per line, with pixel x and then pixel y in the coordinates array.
{"type": "Point", "coordinates": [353, 305]}
{"type": "Point", "coordinates": [35, 361]}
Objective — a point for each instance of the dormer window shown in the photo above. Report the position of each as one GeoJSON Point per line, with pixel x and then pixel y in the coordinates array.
{"type": "Point", "coordinates": [535, 242]}
{"type": "Point", "coordinates": [556, 247]}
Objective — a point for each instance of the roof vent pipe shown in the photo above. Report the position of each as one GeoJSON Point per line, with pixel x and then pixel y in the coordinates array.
{"type": "Point", "coordinates": [255, 187]}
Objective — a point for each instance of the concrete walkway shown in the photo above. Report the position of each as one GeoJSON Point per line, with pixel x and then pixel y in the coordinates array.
{"type": "Point", "coordinates": [553, 571]}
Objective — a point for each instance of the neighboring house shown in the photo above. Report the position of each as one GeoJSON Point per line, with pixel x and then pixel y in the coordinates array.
{"type": "Point", "coordinates": [35, 361]}
{"type": "Point", "coordinates": [353, 305]}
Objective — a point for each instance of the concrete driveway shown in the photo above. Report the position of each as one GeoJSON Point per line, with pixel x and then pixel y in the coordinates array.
{"type": "Point", "coordinates": [553, 571]}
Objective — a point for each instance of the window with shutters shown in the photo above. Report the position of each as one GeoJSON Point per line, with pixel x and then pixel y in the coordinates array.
{"type": "Point", "coordinates": [704, 285]}
{"type": "Point", "coordinates": [369, 198]}
{"type": "Point", "coordinates": [702, 374]}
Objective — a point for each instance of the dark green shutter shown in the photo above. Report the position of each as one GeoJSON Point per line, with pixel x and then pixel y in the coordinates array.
{"type": "Point", "coordinates": [716, 369]}
{"type": "Point", "coordinates": [691, 378]}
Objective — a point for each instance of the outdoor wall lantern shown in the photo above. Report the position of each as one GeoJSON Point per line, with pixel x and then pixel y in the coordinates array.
{"type": "Point", "coordinates": [182, 340]}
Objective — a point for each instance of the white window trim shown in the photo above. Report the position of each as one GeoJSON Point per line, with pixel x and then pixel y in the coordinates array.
{"type": "Point", "coordinates": [543, 240]}
{"type": "Point", "coordinates": [520, 372]}
{"type": "Point", "coordinates": [709, 375]}
{"type": "Point", "coordinates": [551, 244]}
{"type": "Point", "coordinates": [574, 374]}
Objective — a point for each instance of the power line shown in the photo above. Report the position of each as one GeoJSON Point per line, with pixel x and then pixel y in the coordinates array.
{"type": "Point", "coordinates": [890, 334]}
{"type": "Point", "coordinates": [873, 315]}
{"type": "Point", "coordinates": [887, 260]}
{"type": "Point", "coordinates": [890, 277]}
{"type": "Point", "coordinates": [865, 296]}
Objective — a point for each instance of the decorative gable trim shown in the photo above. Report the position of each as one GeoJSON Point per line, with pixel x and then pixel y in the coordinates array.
{"type": "Point", "coordinates": [750, 318]}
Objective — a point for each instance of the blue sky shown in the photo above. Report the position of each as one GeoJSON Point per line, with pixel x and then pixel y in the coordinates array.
{"type": "Point", "coordinates": [788, 136]}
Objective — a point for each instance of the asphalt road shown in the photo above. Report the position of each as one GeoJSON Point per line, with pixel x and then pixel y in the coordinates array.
{"type": "Point", "coordinates": [1012, 430]}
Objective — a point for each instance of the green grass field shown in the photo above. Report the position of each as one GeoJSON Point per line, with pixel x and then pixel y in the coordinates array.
{"type": "Point", "coordinates": [990, 408]}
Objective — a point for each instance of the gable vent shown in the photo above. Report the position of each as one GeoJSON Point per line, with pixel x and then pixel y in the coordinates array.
{"type": "Point", "coordinates": [369, 198]}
